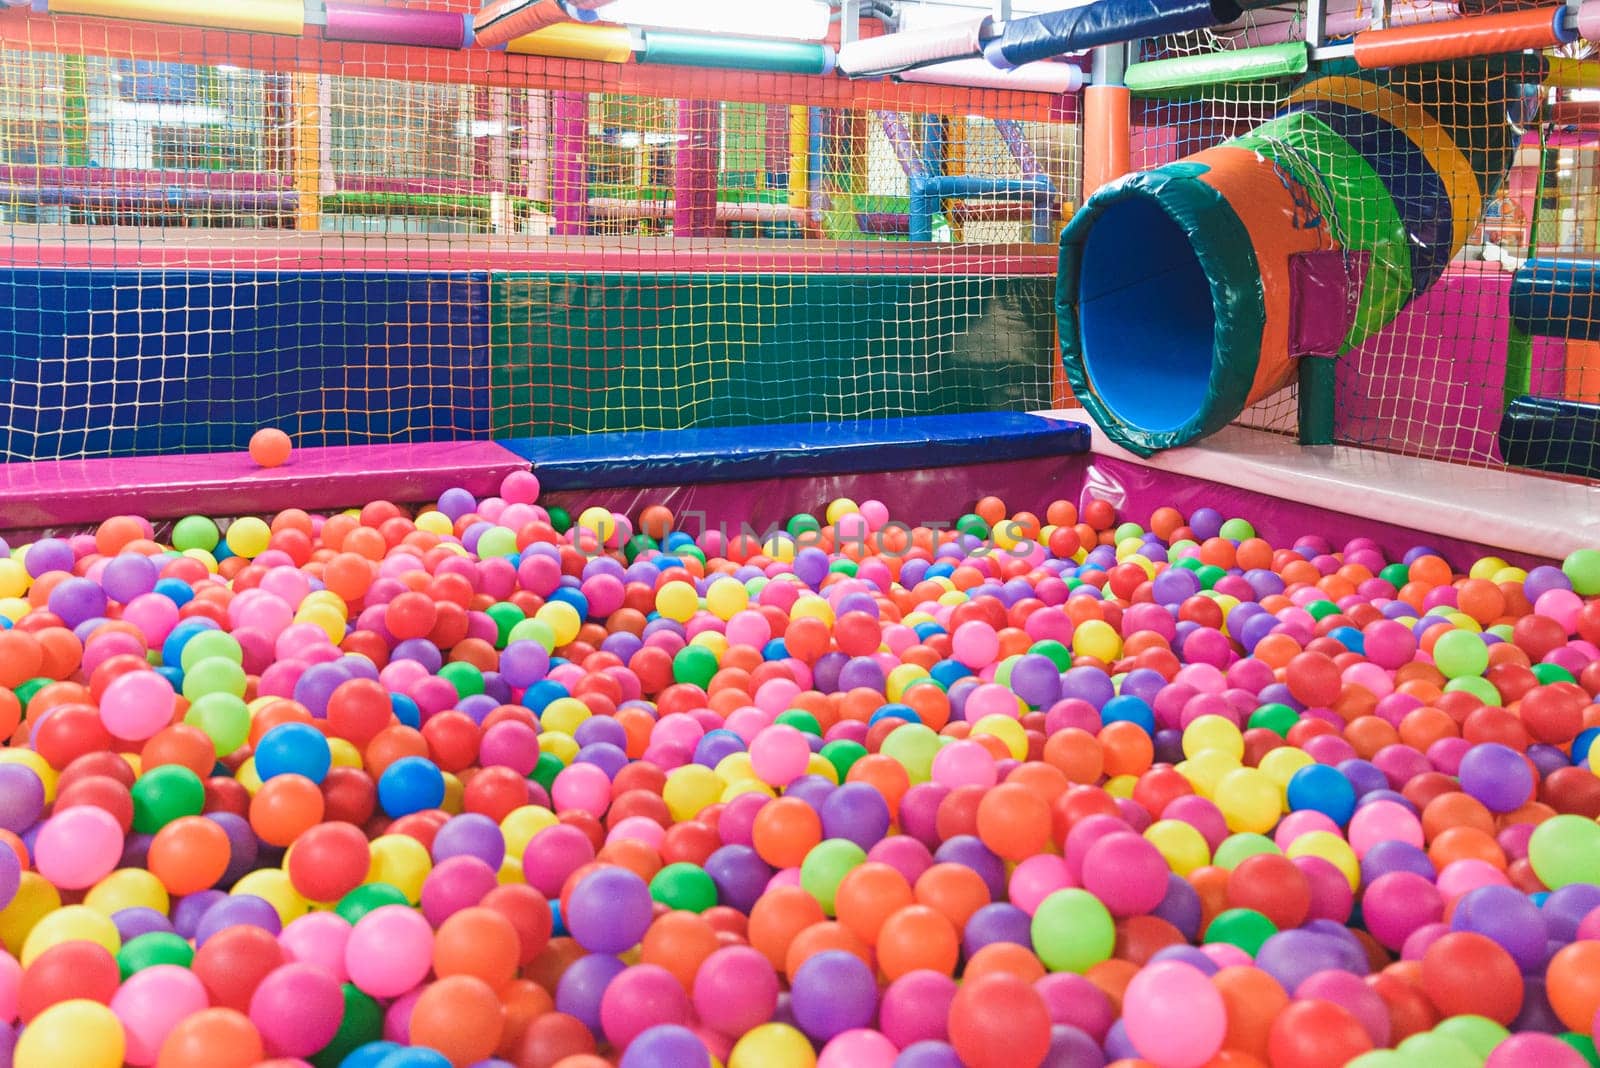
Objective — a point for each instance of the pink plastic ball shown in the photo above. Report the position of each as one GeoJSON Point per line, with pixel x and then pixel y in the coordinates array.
{"type": "Point", "coordinates": [318, 938]}
{"type": "Point", "coordinates": [859, 1048]}
{"type": "Point", "coordinates": [389, 952]}
{"type": "Point", "coordinates": [964, 763]}
{"type": "Point", "coordinates": [644, 996]}
{"type": "Point", "coordinates": [151, 1002]}
{"type": "Point", "coordinates": [581, 788]}
{"type": "Point", "coordinates": [1383, 821]}
{"type": "Point", "coordinates": [735, 990]}
{"type": "Point", "coordinates": [297, 1009]}
{"type": "Point", "coordinates": [779, 755]}
{"type": "Point", "coordinates": [78, 847]}
{"type": "Point", "coordinates": [1174, 1015]}
{"type": "Point", "coordinates": [1035, 879]}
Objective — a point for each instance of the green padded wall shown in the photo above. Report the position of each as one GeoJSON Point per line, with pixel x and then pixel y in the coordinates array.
{"type": "Point", "coordinates": [585, 353]}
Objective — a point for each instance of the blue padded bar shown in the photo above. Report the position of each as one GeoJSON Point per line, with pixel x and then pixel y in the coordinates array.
{"type": "Point", "coordinates": [1559, 436]}
{"type": "Point", "coordinates": [1557, 298]}
{"type": "Point", "coordinates": [733, 454]}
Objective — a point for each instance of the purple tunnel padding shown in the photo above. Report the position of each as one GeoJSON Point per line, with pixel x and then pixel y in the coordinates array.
{"type": "Point", "coordinates": [392, 25]}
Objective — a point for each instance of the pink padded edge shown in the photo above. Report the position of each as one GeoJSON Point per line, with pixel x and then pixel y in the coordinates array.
{"type": "Point", "coordinates": [59, 492]}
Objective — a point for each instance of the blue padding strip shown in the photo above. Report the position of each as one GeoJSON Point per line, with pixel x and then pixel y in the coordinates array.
{"type": "Point", "coordinates": [1559, 436]}
{"type": "Point", "coordinates": [733, 454]}
{"type": "Point", "coordinates": [1055, 33]}
{"type": "Point", "coordinates": [1419, 193]}
{"type": "Point", "coordinates": [1557, 298]}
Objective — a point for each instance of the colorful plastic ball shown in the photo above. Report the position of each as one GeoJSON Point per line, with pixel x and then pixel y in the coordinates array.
{"type": "Point", "coordinates": [293, 749]}
{"type": "Point", "coordinates": [773, 1045]}
{"type": "Point", "coordinates": [269, 447]}
{"type": "Point", "coordinates": [997, 1021]}
{"type": "Point", "coordinates": [610, 910]}
{"type": "Point", "coordinates": [1565, 850]}
{"type": "Point", "coordinates": [389, 951]}
{"type": "Point", "coordinates": [1073, 931]}
{"type": "Point", "coordinates": [459, 1016]}
{"type": "Point", "coordinates": [831, 993]}
{"type": "Point", "coordinates": [297, 1009]}
{"type": "Point", "coordinates": [84, 1034]}
{"type": "Point", "coordinates": [666, 1044]}
{"type": "Point", "coordinates": [1174, 1015]}
{"type": "Point", "coordinates": [78, 847]}
{"type": "Point", "coordinates": [137, 705]}
{"type": "Point", "coordinates": [410, 784]}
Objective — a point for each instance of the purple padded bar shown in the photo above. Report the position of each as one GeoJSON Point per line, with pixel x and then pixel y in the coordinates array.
{"type": "Point", "coordinates": [56, 493]}
{"type": "Point", "coordinates": [389, 25]}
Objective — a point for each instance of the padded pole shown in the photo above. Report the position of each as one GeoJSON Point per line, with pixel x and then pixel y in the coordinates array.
{"type": "Point", "coordinates": [1317, 394]}
{"type": "Point", "coordinates": [1107, 121]}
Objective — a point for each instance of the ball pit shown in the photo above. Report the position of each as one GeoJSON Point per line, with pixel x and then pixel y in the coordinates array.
{"type": "Point", "coordinates": [484, 785]}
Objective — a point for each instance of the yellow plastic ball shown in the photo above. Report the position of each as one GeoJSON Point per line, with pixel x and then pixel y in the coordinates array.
{"type": "Point", "coordinates": [521, 824]}
{"type": "Point", "coordinates": [14, 608]}
{"type": "Point", "coordinates": [1249, 800]}
{"type": "Point", "coordinates": [454, 794]}
{"type": "Point", "coordinates": [1008, 730]}
{"type": "Point", "coordinates": [690, 789]}
{"type": "Point", "coordinates": [208, 561]}
{"type": "Point", "coordinates": [781, 547]}
{"type": "Point", "coordinates": [562, 619]}
{"type": "Point", "coordinates": [821, 765]}
{"type": "Point", "coordinates": [435, 522]}
{"type": "Point", "coordinates": [710, 639]}
{"type": "Point", "coordinates": [37, 764]}
{"type": "Point", "coordinates": [14, 578]}
{"type": "Point", "coordinates": [128, 888]}
{"type": "Point", "coordinates": [329, 598]}
{"type": "Point", "coordinates": [1099, 639]}
{"type": "Point", "coordinates": [1213, 734]}
{"type": "Point", "coordinates": [1121, 786]}
{"type": "Point", "coordinates": [1331, 848]}
{"type": "Point", "coordinates": [1487, 567]}
{"type": "Point", "coordinates": [839, 508]}
{"type": "Point", "coordinates": [726, 598]}
{"type": "Point", "coordinates": [677, 601]}
{"type": "Point", "coordinates": [344, 753]}
{"type": "Point", "coordinates": [1280, 764]}
{"type": "Point", "coordinates": [773, 1045]}
{"type": "Point", "coordinates": [811, 606]}
{"type": "Point", "coordinates": [953, 597]}
{"type": "Point", "coordinates": [272, 885]}
{"type": "Point", "coordinates": [598, 522]}
{"type": "Point", "coordinates": [74, 923]}
{"type": "Point", "coordinates": [1205, 770]}
{"type": "Point", "coordinates": [34, 900]}
{"type": "Point", "coordinates": [564, 715]}
{"type": "Point", "coordinates": [537, 630]}
{"type": "Point", "coordinates": [745, 786]}
{"type": "Point", "coordinates": [248, 777]}
{"type": "Point", "coordinates": [1510, 574]}
{"type": "Point", "coordinates": [80, 1033]}
{"type": "Point", "coordinates": [559, 744]}
{"type": "Point", "coordinates": [735, 767]}
{"type": "Point", "coordinates": [901, 678]}
{"type": "Point", "coordinates": [248, 537]}
{"type": "Point", "coordinates": [324, 619]}
{"type": "Point", "coordinates": [1181, 844]}
{"type": "Point", "coordinates": [510, 872]}
{"type": "Point", "coordinates": [402, 862]}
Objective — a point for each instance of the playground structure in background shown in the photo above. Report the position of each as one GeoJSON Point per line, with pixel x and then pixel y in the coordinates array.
{"type": "Point", "coordinates": [1357, 188]}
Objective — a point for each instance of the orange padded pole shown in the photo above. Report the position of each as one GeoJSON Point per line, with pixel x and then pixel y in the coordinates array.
{"type": "Point", "coordinates": [1106, 121]}
{"type": "Point", "coordinates": [1482, 35]}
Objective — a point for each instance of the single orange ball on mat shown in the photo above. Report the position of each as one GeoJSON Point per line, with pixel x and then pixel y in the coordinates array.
{"type": "Point", "coordinates": [269, 447]}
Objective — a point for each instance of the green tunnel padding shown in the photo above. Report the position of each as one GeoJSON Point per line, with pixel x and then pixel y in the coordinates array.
{"type": "Point", "coordinates": [1160, 347]}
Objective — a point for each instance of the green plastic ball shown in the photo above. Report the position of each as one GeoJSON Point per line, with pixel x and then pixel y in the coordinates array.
{"type": "Point", "coordinates": [208, 644]}
{"type": "Point", "coordinates": [1237, 848]}
{"type": "Point", "coordinates": [224, 718]}
{"type": "Point", "coordinates": [913, 747]}
{"type": "Point", "coordinates": [1460, 653]}
{"type": "Point", "coordinates": [802, 523]}
{"type": "Point", "coordinates": [214, 674]}
{"type": "Point", "coordinates": [1237, 529]}
{"type": "Point", "coordinates": [1276, 718]}
{"type": "Point", "coordinates": [843, 754]}
{"type": "Point", "coordinates": [825, 868]}
{"type": "Point", "coordinates": [636, 545]}
{"type": "Point", "coordinates": [1584, 1045]}
{"type": "Point", "coordinates": [1548, 673]}
{"type": "Point", "coordinates": [1127, 531]}
{"type": "Point", "coordinates": [694, 664]}
{"type": "Point", "coordinates": [361, 1023]}
{"type": "Point", "coordinates": [546, 770]}
{"type": "Point", "coordinates": [1210, 575]}
{"type": "Point", "coordinates": [1396, 575]}
{"type": "Point", "coordinates": [368, 898]}
{"type": "Point", "coordinates": [973, 525]}
{"type": "Point", "coordinates": [164, 794]}
{"type": "Point", "coordinates": [1477, 686]}
{"type": "Point", "coordinates": [1055, 652]}
{"type": "Point", "coordinates": [1564, 850]}
{"type": "Point", "coordinates": [1072, 931]}
{"type": "Point", "coordinates": [466, 678]}
{"type": "Point", "coordinates": [684, 886]}
{"type": "Point", "coordinates": [497, 542]}
{"type": "Point", "coordinates": [1478, 1033]}
{"type": "Point", "coordinates": [560, 519]}
{"type": "Point", "coordinates": [1439, 1051]}
{"type": "Point", "coordinates": [800, 720]}
{"type": "Point", "coordinates": [1245, 928]}
{"type": "Point", "coordinates": [1582, 568]}
{"type": "Point", "coordinates": [505, 616]}
{"type": "Point", "coordinates": [843, 567]}
{"type": "Point", "coordinates": [1321, 610]}
{"type": "Point", "coordinates": [195, 532]}
{"type": "Point", "coordinates": [156, 947]}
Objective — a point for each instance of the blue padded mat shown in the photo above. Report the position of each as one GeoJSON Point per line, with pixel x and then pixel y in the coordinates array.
{"type": "Point", "coordinates": [732, 454]}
